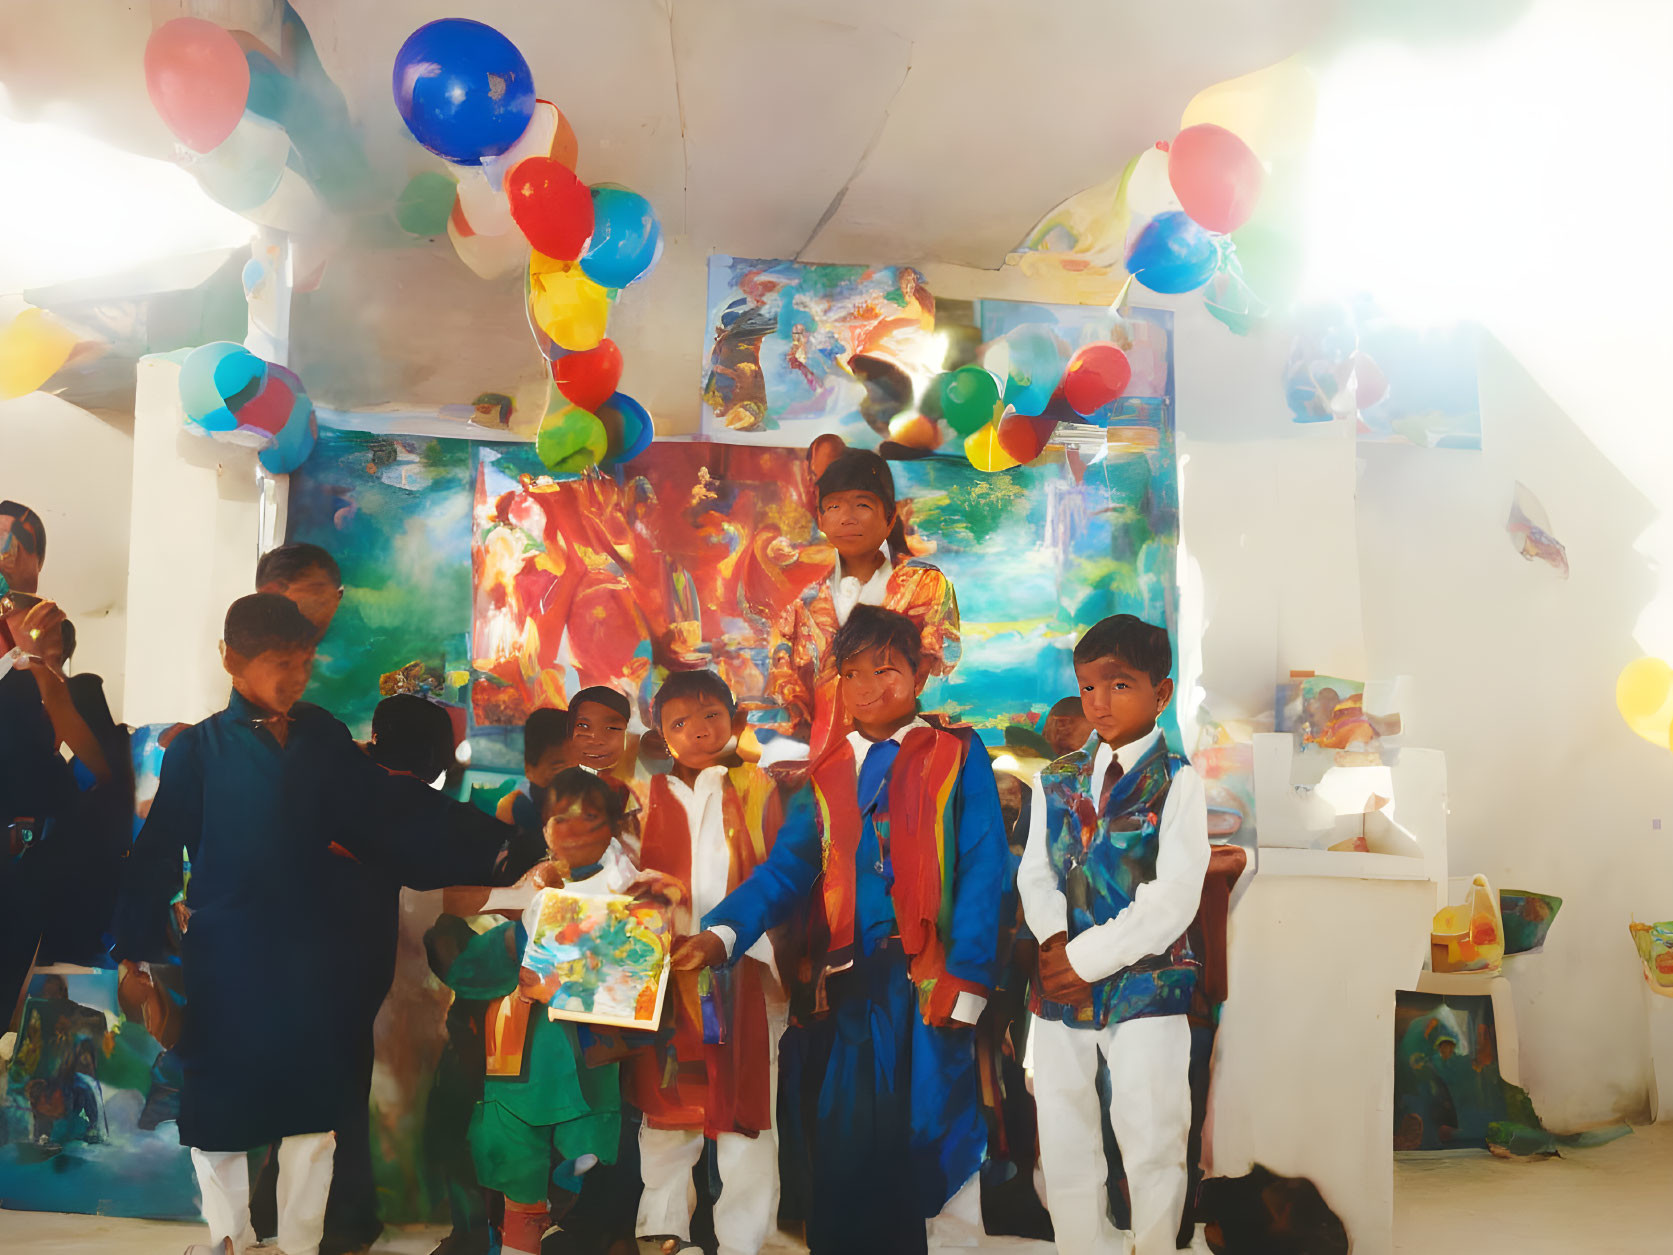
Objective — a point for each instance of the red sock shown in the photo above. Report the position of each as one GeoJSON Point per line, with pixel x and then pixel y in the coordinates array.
{"type": "Point", "coordinates": [524, 1223]}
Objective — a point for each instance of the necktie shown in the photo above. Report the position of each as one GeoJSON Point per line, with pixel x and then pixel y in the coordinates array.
{"type": "Point", "coordinates": [1112, 773]}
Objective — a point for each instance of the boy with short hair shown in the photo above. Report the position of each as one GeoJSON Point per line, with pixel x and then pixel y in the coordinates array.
{"type": "Point", "coordinates": [546, 751]}
{"type": "Point", "coordinates": [598, 719]}
{"type": "Point", "coordinates": [256, 795]}
{"type": "Point", "coordinates": [547, 1118]}
{"type": "Point", "coordinates": [709, 822]}
{"type": "Point", "coordinates": [1110, 883]}
{"type": "Point", "coordinates": [901, 826]}
{"type": "Point", "coordinates": [859, 516]}
{"type": "Point", "coordinates": [308, 575]}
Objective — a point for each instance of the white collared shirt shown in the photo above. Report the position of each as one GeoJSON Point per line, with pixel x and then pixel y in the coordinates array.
{"type": "Point", "coordinates": [1161, 910]}
{"type": "Point", "coordinates": [847, 591]}
{"type": "Point", "coordinates": [711, 859]}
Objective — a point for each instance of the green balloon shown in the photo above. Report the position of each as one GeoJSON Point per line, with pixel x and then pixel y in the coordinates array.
{"type": "Point", "coordinates": [1270, 261]}
{"type": "Point", "coordinates": [969, 396]}
{"type": "Point", "coordinates": [425, 204]}
{"type": "Point", "coordinates": [570, 439]}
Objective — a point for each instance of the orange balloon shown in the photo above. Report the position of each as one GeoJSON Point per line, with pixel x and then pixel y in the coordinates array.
{"type": "Point", "coordinates": [565, 149]}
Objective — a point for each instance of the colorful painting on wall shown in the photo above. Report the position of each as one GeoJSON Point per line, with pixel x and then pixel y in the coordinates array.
{"type": "Point", "coordinates": [90, 1100]}
{"type": "Point", "coordinates": [395, 513]}
{"type": "Point", "coordinates": [1427, 378]}
{"type": "Point", "coordinates": [600, 959]}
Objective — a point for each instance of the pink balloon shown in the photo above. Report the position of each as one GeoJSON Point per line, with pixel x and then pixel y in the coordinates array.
{"type": "Point", "coordinates": [198, 79]}
{"type": "Point", "coordinates": [1215, 175]}
{"type": "Point", "coordinates": [1370, 384]}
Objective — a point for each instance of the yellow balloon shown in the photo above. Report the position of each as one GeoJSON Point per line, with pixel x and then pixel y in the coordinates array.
{"type": "Point", "coordinates": [986, 453]}
{"type": "Point", "coordinates": [1270, 110]}
{"type": "Point", "coordinates": [565, 304]}
{"type": "Point", "coordinates": [1644, 696]}
{"type": "Point", "coordinates": [32, 348]}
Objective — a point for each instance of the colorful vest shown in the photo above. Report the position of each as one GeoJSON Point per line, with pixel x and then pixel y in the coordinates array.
{"type": "Point", "coordinates": [1100, 862]}
{"type": "Point", "coordinates": [917, 818]}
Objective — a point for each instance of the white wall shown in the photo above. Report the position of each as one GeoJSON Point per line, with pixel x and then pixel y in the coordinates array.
{"type": "Point", "coordinates": [74, 468]}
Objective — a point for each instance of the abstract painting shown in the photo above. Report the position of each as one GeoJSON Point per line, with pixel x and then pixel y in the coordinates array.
{"type": "Point", "coordinates": [395, 513]}
{"type": "Point", "coordinates": [600, 959]}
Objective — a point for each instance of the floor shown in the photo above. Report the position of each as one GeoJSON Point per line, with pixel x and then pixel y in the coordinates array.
{"type": "Point", "coordinates": [1610, 1200]}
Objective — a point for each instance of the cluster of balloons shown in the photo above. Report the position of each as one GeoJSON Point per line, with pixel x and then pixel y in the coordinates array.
{"type": "Point", "coordinates": [466, 94]}
{"type": "Point", "coordinates": [1644, 696]}
{"type": "Point", "coordinates": [230, 394]}
{"type": "Point", "coordinates": [1007, 406]}
{"type": "Point", "coordinates": [1328, 375]}
{"type": "Point", "coordinates": [32, 349]}
{"type": "Point", "coordinates": [263, 131]}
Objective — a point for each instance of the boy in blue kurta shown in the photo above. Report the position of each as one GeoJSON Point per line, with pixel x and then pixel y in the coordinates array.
{"type": "Point", "coordinates": [1110, 882]}
{"type": "Point", "coordinates": [541, 1104]}
{"type": "Point", "coordinates": [900, 825]}
{"type": "Point", "coordinates": [256, 796]}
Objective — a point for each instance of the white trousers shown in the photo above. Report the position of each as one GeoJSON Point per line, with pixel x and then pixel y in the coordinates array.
{"type": "Point", "coordinates": [1150, 1113]}
{"type": "Point", "coordinates": [304, 1182]}
{"type": "Point", "coordinates": [747, 1209]}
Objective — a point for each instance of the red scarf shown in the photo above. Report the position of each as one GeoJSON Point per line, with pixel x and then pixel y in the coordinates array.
{"type": "Point", "coordinates": [919, 816]}
{"type": "Point", "coordinates": [687, 1083]}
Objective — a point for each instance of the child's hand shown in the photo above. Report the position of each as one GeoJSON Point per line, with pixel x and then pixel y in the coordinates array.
{"type": "Point", "coordinates": [531, 988]}
{"type": "Point", "coordinates": [549, 875]}
{"type": "Point", "coordinates": [658, 887]}
{"type": "Point", "coordinates": [703, 950]}
{"type": "Point", "coordinates": [1057, 978]}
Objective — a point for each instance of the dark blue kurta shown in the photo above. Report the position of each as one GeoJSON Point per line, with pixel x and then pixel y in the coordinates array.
{"type": "Point", "coordinates": [268, 1048]}
{"type": "Point", "coordinates": [895, 1124]}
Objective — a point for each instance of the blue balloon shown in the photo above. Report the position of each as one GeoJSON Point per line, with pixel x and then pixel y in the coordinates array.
{"type": "Point", "coordinates": [627, 238]}
{"type": "Point", "coordinates": [295, 441]}
{"type": "Point", "coordinates": [1036, 369]}
{"type": "Point", "coordinates": [637, 429]}
{"type": "Point", "coordinates": [211, 376]}
{"type": "Point", "coordinates": [463, 90]}
{"type": "Point", "coordinates": [1173, 254]}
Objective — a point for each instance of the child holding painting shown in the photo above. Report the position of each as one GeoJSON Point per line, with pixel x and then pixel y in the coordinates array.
{"type": "Point", "coordinates": [859, 517]}
{"type": "Point", "coordinates": [542, 1105]}
{"type": "Point", "coordinates": [900, 828]}
{"type": "Point", "coordinates": [1110, 883]}
{"type": "Point", "coordinates": [255, 796]}
{"type": "Point", "coordinates": [709, 822]}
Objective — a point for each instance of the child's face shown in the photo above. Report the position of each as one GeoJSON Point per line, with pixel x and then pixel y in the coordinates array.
{"type": "Point", "coordinates": [552, 760]}
{"type": "Point", "coordinates": [315, 593]}
{"type": "Point", "coordinates": [577, 830]}
{"type": "Point", "coordinates": [855, 521]}
{"type": "Point", "coordinates": [600, 735]}
{"type": "Point", "coordinates": [879, 691]}
{"type": "Point", "coordinates": [1067, 733]}
{"type": "Point", "coordinates": [18, 562]}
{"type": "Point", "coordinates": [698, 730]}
{"type": "Point", "coordinates": [1120, 701]}
{"type": "Point", "coordinates": [274, 679]}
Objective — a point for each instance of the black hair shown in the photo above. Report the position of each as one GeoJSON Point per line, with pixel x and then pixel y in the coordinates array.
{"type": "Point", "coordinates": [692, 684]}
{"type": "Point", "coordinates": [35, 530]}
{"type": "Point", "coordinates": [1067, 706]}
{"type": "Point", "coordinates": [410, 733]}
{"type": "Point", "coordinates": [266, 621]}
{"type": "Point", "coordinates": [872, 627]}
{"type": "Point", "coordinates": [861, 470]}
{"type": "Point", "coordinates": [1131, 640]}
{"type": "Point", "coordinates": [577, 783]}
{"type": "Point", "coordinates": [601, 695]}
{"type": "Point", "coordinates": [68, 630]}
{"type": "Point", "coordinates": [544, 729]}
{"type": "Point", "coordinates": [289, 563]}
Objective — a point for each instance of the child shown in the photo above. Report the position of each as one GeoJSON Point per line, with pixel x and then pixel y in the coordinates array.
{"type": "Point", "coordinates": [858, 515]}
{"type": "Point", "coordinates": [902, 820]}
{"type": "Point", "coordinates": [1110, 882]}
{"type": "Point", "coordinates": [306, 574]}
{"type": "Point", "coordinates": [598, 719]}
{"type": "Point", "coordinates": [544, 1105]}
{"type": "Point", "coordinates": [1067, 727]}
{"type": "Point", "coordinates": [255, 795]}
{"type": "Point", "coordinates": [546, 752]}
{"type": "Point", "coordinates": [708, 824]}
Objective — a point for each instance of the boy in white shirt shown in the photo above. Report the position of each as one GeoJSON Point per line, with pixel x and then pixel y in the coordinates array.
{"type": "Point", "coordinates": [1110, 882]}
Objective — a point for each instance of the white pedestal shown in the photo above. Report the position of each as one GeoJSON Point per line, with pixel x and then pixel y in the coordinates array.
{"type": "Point", "coordinates": [1303, 1071]}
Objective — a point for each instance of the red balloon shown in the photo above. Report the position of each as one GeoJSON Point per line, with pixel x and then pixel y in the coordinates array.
{"type": "Point", "coordinates": [552, 207]}
{"type": "Point", "coordinates": [198, 80]}
{"type": "Point", "coordinates": [1216, 176]}
{"type": "Point", "coordinates": [589, 378]}
{"type": "Point", "coordinates": [1024, 437]}
{"type": "Point", "coordinates": [1097, 375]}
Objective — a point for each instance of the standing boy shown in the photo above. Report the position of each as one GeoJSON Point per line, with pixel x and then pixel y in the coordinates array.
{"type": "Point", "coordinates": [598, 719]}
{"type": "Point", "coordinates": [308, 575]}
{"type": "Point", "coordinates": [901, 819]}
{"type": "Point", "coordinates": [709, 823]}
{"type": "Point", "coordinates": [1110, 882]}
{"type": "Point", "coordinates": [255, 796]}
{"type": "Point", "coordinates": [873, 567]}
{"type": "Point", "coordinates": [546, 752]}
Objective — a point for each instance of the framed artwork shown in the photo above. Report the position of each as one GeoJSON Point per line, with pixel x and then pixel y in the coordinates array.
{"type": "Point", "coordinates": [601, 959]}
